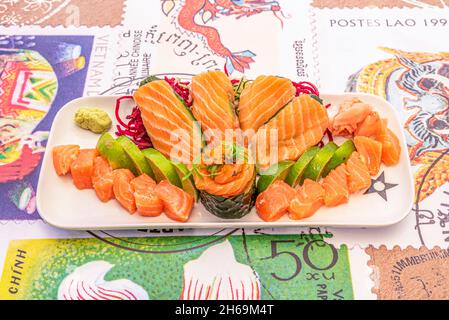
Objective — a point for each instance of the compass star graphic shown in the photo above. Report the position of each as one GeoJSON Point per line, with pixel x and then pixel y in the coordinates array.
{"type": "Point", "coordinates": [380, 187]}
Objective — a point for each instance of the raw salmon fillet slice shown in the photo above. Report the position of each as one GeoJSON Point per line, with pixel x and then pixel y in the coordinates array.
{"type": "Point", "coordinates": [169, 123]}
{"type": "Point", "coordinates": [370, 152]}
{"type": "Point", "coordinates": [358, 174]}
{"type": "Point", "coordinates": [299, 126]}
{"type": "Point", "coordinates": [147, 202]}
{"type": "Point", "coordinates": [178, 204]}
{"type": "Point", "coordinates": [63, 157]}
{"type": "Point", "coordinates": [336, 187]}
{"type": "Point", "coordinates": [262, 99]}
{"type": "Point", "coordinates": [391, 148]}
{"type": "Point", "coordinates": [102, 179]}
{"type": "Point", "coordinates": [308, 199]}
{"type": "Point", "coordinates": [273, 203]}
{"type": "Point", "coordinates": [371, 126]}
{"type": "Point", "coordinates": [123, 190]}
{"type": "Point", "coordinates": [213, 104]}
{"type": "Point", "coordinates": [82, 168]}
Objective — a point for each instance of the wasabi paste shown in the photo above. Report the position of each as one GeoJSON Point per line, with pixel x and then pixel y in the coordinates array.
{"type": "Point", "coordinates": [93, 119]}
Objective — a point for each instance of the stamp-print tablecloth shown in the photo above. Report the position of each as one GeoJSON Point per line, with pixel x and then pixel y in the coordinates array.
{"type": "Point", "coordinates": [54, 51]}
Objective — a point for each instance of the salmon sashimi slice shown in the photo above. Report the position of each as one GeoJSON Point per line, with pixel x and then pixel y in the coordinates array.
{"type": "Point", "coordinates": [262, 99]}
{"type": "Point", "coordinates": [169, 123]}
{"type": "Point", "coordinates": [350, 114]}
{"type": "Point", "coordinates": [358, 174]}
{"type": "Point", "coordinates": [273, 203]}
{"type": "Point", "coordinates": [231, 180]}
{"type": "Point", "coordinates": [370, 152]}
{"type": "Point", "coordinates": [82, 168]}
{"type": "Point", "coordinates": [371, 126]}
{"type": "Point", "coordinates": [213, 104]}
{"type": "Point", "coordinates": [102, 179]}
{"type": "Point", "coordinates": [336, 187]}
{"type": "Point", "coordinates": [391, 148]}
{"type": "Point", "coordinates": [299, 126]}
{"type": "Point", "coordinates": [63, 157]}
{"type": "Point", "coordinates": [308, 199]}
{"type": "Point", "coordinates": [123, 190]}
{"type": "Point", "coordinates": [147, 202]}
{"type": "Point", "coordinates": [178, 204]}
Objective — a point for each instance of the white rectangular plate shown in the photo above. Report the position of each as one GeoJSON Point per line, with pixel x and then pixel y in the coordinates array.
{"type": "Point", "coordinates": [62, 205]}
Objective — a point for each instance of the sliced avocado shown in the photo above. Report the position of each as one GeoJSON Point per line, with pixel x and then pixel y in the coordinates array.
{"type": "Point", "coordinates": [297, 170]}
{"type": "Point", "coordinates": [163, 168]}
{"type": "Point", "coordinates": [113, 151]}
{"type": "Point", "coordinates": [315, 168]}
{"type": "Point", "coordinates": [148, 80]}
{"type": "Point", "coordinates": [315, 97]}
{"type": "Point", "coordinates": [277, 171]}
{"type": "Point", "coordinates": [340, 156]}
{"type": "Point", "coordinates": [136, 156]}
{"type": "Point", "coordinates": [187, 181]}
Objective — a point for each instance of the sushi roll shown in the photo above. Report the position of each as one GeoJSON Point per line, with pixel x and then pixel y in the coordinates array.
{"type": "Point", "coordinates": [227, 188]}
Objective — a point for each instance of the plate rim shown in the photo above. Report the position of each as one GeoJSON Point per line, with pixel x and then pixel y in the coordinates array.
{"type": "Point", "coordinates": [232, 223]}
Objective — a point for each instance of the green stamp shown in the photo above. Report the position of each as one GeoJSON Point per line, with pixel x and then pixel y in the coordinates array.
{"type": "Point", "coordinates": [212, 267]}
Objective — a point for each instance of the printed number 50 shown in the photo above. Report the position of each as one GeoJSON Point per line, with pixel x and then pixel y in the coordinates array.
{"type": "Point", "coordinates": [298, 265]}
{"type": "Point", "coordinates": [275, 253]}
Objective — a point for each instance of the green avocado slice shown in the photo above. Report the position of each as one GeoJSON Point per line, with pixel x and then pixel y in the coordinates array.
{"type": "Point", "coordinates": [162, 167]}
{"type": "Point", "coordinates": [314, 96]}
{"type": "Point", "coordinates": [113, 151]}
{"type": "Point", "coordinates": [187, 182]}
{"type": "Point", "coordinates": [315, 168]}
{"type": "Point", "coordinates": [297, 170]}
{"type": "Point", "coordinates": [280, 171]}
{"type": "Point", "coordinates": [141, 164]}
{"type": "Point", "coordinates": [340, 156]}
{"type": "Point", "coordinates": [148, 80]}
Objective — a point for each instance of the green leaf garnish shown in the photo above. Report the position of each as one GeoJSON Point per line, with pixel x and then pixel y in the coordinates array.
{"type": "Point", "coordinates": [148, 80]}
{"type": "Point", "coordinates": [239, 87]}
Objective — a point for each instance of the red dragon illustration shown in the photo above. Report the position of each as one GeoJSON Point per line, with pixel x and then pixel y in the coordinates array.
{"type": "Point", "coordinates": [210, 9]}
